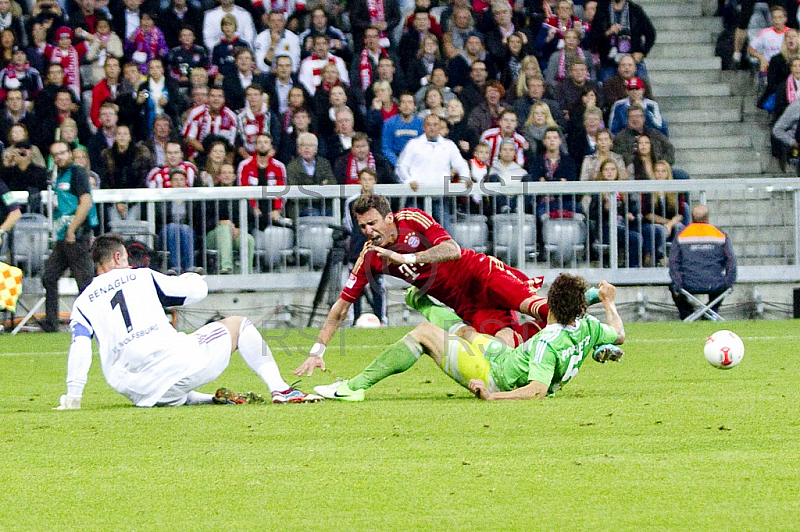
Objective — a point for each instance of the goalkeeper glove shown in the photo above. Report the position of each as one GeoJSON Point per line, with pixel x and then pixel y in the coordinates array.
{"type": "Point", "coordinates": [605, 352]}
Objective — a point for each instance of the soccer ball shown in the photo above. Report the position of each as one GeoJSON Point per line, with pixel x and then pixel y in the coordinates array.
{"type": "Point", "coordinates": [368, 321]}
{"type": "Point", "coordinates": [724, 349]}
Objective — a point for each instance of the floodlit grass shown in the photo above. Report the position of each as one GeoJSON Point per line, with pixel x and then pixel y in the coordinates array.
{"type": "Point", "coordinates": [661, 441]}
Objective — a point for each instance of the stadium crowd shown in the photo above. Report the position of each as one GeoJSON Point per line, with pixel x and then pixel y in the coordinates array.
{"type": "Point", "coordinates": [296, 93]}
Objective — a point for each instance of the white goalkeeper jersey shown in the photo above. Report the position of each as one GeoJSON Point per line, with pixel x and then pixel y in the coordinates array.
{"type": "Point", "coordinates": [139, 349]}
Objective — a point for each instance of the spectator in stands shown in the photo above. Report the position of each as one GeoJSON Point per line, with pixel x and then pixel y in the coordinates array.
{"type": "Point", "coordinates": [497, 38]}
{"type": "Point", "coordinates": [20, 75]}
{"type": "Point", "coordinates": [327, 102]}
{"type": "Point", "coordinates": [125, 17]}
{"type": "Point", "coordinates": [279, 83]}
{"type": "Point", "coordinates": [384, 15]}
{"type": "Point", "coordinates": [174, 220]}
{"type": "Point", "coordinates": [559, 66]}
{"type": "Point", "coordinates": [433, 104]}
{"type": "Point", "coordinates": [598, 206]}
{"type": "Point", "coordinates": [262, 170]}
{"type": "Point", "coordinates": [69, 57]}
{"type": "Point", "coordinates": [553, 165]}
{"type": "Point", "coordinates": [536, 125]}
{"type": "Point", "coordinates": [625, 141]}
{"type": "Point", "coordinates": [348, 166]}
{"type": "Point", "coordinates": [784, 133]}
{"type": "Point", "coordinates": [236, 82]}
{"type": "Point", "coordinates": [459, 131]}
{"type": "Point", "coordinates": [106, 134]}
{"type": "Point", "coordinates": [570, 90]}
{"type": "Point", "coordinates": [311, 68]}
{"type": "Point", "coordinates": [146, 43]}
{"type": "Point", "coordinates": [643, 168]}
{"type": "Point", "coordinates": [383, 107]}
{"type": "Point", "coordinates": [511, 63]}
{"type": "Point", "coordinates": [107, 89]}
{"type": "Point", "coordinates": [553, 33]}
{"type": "Point", "coordinates": [701, 261]}
{"type": "Point", "coordinates": [582, 139]}
{"type": "Point", "coordinates": [456, 29]}
{"type": "Point", "coordinates": [506, 130]}
{"type": "Point", "coordinates": [780, 68]}
{"type": "Point", "coordinates": [652, 113]}
{"type": "Point", "coordinates": [173, 158]}
{"type": "Point", "coordinates": [10, 21]}
{"type": "Point", "coordinates": [438, 79]}
{"type": "Point", "coordinates": [157, 143]}
{"type": "Point", "coordinates": [73, 221]}
{"type": "Point", "coordinates": [534, 92]}
{"type": "Point", "coordinates": [275, 41]}
{"type": "Point", "coordinates": [217, 153]}
{"type": "Point", "coordinates": [768, 42]}
{"type": "Point", "coordinates": [308, 168]}
{"type": "Point", "coordinates": [421, 66]}
{"type": "Point", "coordinates": [223, 53]}
{"type": "Point", "coordinates": [215, 118]}
{"type": "Point", "coordinates": [365, 70]}
{"type": "Point", "coordinates": [21, 173]}
{"type": "Point", "coordinates": [81, 158]}
{"type": "Point", "coordinates": [621, 27]}
{"type": "Point", "coordinates": [591, 162]}
{"type": "Point", "coordinates": [301, 123]}
{"type": "Point", "coordinates": [124, 166]}
{"type": "Point", "coordinates": [665, 209]}
{"type": "Point", "coordinates": [103, 44]}
{"type": "Point", "coordinates": [17, 135]}
{"type": "Point", "coordinates": [8, 43]}
{"type": "Point", "coordinates": [341, 140]}
{"type": "Point", "coordinates": [14, 113]}
{"type": "Point", "coordinates": [180, 15]}
{"type": "Point", "coordinates": [36, 48]}
{"type": "Point", "coordinates": [320, 24]}
{"type": "Point", "coordinates": [401, 128]}
{"type": "Point", "coordinates": [367, 178]}
{"type": "Point", "coordinates": [387, 71]}
{"type": "Point", "coordinates": [487, 113]}
{"type": "Point", "coordinates": [44, 102]}
{"type": "Point", "coordinates": [256, 118]}
{"type": "Point", "coordinates": [159, 95]}
{"type": "Point", "coordinates": [65, 108]}
{"type": "Point", "coordinates": [506, 171]}
{"type": "Point", "coordinates": [462, 69]}
{"type": "Point", "coordinates": [220, 222]}
{"type": "Point", "coordinates": [787, 91]}
{"type": "Point", "coordinates": [615, 88]}
{"type": "Point", "coordinates": [186, 56]}
{"type": "Point", "coordinates": [214, 33]}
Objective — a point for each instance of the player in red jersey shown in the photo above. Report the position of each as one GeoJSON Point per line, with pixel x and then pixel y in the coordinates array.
{"type": "Point", "coordinates": [482, 290]}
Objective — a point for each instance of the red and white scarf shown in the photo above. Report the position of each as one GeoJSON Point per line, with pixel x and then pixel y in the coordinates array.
{"type": "Point", "coordinates": [146, 43]}
{"type": "Point", "coordinates": [352, 168]}
{"type": "Point", "coordinates": [70, 61]}
{"type": "Point", "coordinates": [791, 89]}
{"type": "Point", "coordinates": [317, 71]}
{"type": "Point", "coordinates": [562, 64]}
{"type": "Point", "coordinates": [365, 68]}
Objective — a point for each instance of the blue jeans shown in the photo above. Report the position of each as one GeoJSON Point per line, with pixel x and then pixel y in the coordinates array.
{"type": "Point", "coordinates": [179, 240]}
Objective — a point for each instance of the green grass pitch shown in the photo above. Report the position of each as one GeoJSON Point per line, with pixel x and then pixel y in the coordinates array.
{"type": "Point", "coordinates": [660, 441]}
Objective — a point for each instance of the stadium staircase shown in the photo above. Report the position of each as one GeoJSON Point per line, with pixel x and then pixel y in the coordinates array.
{"type": "Point", "coordinates": [717, 130]}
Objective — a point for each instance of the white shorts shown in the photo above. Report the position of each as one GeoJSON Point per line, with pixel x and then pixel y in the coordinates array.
{"type": "Point", "coordinates": [210, 344]}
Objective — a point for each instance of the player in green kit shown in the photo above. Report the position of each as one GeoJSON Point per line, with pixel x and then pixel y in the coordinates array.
{"type": "Point", "coordinates": [488, 367]}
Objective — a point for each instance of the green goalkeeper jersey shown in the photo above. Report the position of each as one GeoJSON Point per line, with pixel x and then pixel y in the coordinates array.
{"type": "Point", "coordinates": [552, 357]}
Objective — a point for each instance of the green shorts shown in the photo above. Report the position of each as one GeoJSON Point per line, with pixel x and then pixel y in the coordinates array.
{"type": "Point", "coordinates": [464, 361]}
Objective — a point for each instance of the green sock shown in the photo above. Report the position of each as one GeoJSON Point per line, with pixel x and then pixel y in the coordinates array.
{"type": "Point", "coordinates": [398, 358]}
{"type": "Point", "coordinates": [441, 316]}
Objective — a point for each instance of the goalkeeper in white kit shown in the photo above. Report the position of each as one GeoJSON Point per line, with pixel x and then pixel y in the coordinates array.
{"type": "Point", "coordinates": [142, 356]}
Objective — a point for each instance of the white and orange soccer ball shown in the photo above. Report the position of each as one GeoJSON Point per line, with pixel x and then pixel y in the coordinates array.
{"type": "Point", "coordinates": [368, 321]}
{"type": "Point", "coordinates": [724, 349]}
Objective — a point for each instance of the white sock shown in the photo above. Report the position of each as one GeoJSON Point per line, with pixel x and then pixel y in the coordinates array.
{"type": "Point", "coordinates": [198, 398]}
{"type": "Point", "coordinates": [256, 353]}
{"type": "Point", "coordinates": [737, 56]}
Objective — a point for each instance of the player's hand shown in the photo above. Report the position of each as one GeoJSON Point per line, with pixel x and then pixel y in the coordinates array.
{"type": "Point", "coordinates": [607, 291]}
{"type": "Point", "coordinates": [70, 236]}
{"type": "Point", "coordinates": [68, 403]}
{"type": "Point", "coordinates": [478, 387]}
{"type": "Point", "coordinates": [392, 257]}
{"type": "Point", "coordinates": [603, 353]}
{"type": "Point", "coordinates": [309, 364]}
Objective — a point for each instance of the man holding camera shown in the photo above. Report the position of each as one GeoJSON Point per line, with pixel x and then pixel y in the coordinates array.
{"type": "Point", "coordinates": [20, 173]}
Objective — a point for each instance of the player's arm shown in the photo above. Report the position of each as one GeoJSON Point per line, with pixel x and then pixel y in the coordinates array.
{"type": "Point", "coordinates": [78, 364]}
{"type": "Point", "coordinates": [443, 252]}
{"type": "Point", "coordinates": [533, 390]}
{"type": "Point", "coordinates": [608, 292]}
{"type": "Point", "coordinates": [336, 316]}
{"type": "Point", "coordinates": [182, 290]}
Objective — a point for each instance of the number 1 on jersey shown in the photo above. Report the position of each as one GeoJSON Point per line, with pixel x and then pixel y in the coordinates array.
{"type": "Point", "coordinates": [119, 299]}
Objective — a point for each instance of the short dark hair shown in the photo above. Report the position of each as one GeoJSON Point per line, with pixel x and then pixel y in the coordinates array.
{"type": "Point", "coordinates": [567, 298]}
{"type": "Point", "coordinates": [372, 201]}
{"type": "Point", "coordinates": [552, 128]}
{"type": "Point", "coordinates": [105, 246]}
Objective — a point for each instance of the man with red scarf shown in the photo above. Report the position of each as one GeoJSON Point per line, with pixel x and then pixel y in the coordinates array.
{"type": "Point", "coordinates": [256, 118]}
{"type": "Point", "coordinates": [213, 118]}
{"type": "Point", "coordinates": [366, 68]}
{"type": "Point", "coordinates": [310, 73]}
{"type": "Point", "coordinates": [384, 15]}
{"type": "Point", "coordinates": [348, 166]}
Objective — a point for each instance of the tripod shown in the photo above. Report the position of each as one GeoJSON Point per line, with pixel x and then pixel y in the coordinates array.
{"type": "Point", "coordinates": [331, 280]}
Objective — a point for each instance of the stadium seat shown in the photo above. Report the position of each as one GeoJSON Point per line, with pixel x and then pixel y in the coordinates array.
{"type": "Point", "coordinates": [31, 243]}
{"type": "Point", "coordinates": [506, 236]}
{"type": "Point", "coordinates": [471, 232]}
{"type": "Point", "coordinates": [315, 238]}
{"type": "Point", "coordinates": [703, 309]}
{"type": "Point", "coordinates": [564, 238]}
{"type": "Point", "coordinates": [274, 245]}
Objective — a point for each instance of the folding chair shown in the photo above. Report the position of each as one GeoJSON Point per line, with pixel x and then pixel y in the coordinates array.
{"type": "Point", "coordinates": [703, 309]}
